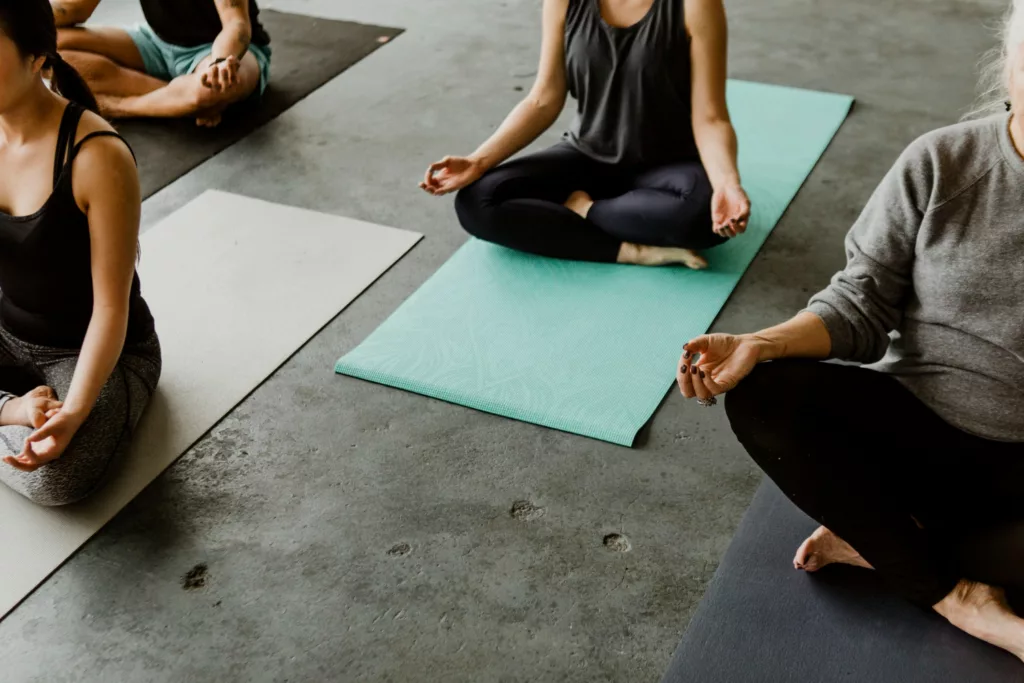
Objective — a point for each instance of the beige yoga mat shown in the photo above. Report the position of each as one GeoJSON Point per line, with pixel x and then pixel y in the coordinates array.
{"type": "Point", "coordinates": [236, 285]}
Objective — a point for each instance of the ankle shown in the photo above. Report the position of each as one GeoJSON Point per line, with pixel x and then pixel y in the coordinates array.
{"type": "Point", "coordinates": [629, 253]}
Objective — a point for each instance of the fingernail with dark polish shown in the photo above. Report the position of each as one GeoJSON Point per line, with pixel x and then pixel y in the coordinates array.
{"type": "Point", "coordinates": [694, 370]}
{"type": "Point", "coordinates": [702, 374]}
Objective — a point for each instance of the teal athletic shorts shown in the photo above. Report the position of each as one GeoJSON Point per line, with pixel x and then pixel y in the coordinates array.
{"type": "Point", "coordinates": [166, 61]}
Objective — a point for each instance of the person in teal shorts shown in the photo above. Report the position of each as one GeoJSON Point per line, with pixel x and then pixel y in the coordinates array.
{"type": "Point", "coordinates": [192, 58]}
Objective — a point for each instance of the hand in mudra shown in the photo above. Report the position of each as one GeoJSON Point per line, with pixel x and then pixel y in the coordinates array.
{"type": "Point", "coordinates": [221, 76]}
{"type": "Point", "coordinates": [715, 363]}
{"type": "Point", "coordinates": [730, 211]}
{"type": "Point", "coordinates": [451, 174]}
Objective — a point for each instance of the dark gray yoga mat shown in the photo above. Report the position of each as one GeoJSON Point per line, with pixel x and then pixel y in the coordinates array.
{"type": "Point", "coordinates": [308, 52]}
{"type": "Point", "coordinates": [762, 621]}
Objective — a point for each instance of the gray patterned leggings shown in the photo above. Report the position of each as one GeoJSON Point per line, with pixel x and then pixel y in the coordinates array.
{"type": "Point", "coordinates": [104, 437]}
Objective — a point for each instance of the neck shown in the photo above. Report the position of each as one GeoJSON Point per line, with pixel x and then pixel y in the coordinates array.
{"type": "Point", "coordinates": [30, 117]}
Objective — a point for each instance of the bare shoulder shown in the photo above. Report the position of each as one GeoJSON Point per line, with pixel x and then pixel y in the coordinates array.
{"type": "Point", "coordinates": [703, 14]}
{"type": "Point", "coordinates": [104, 151]}
{"type": "Point", "coordinates": [104, 168]}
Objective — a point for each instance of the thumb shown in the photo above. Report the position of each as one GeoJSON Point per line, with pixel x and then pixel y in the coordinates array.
{"type": "Point", "coordinates": [699, 345]}
{"type": "Point", "coordinates": [43, 432]}
{"type": "Point", "coordinates": [38, 418]}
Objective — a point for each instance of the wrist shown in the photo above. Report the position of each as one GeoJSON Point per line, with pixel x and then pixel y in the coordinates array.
{"type": "Point", "coordinates": [75, 413]}
{"type": "Point", "coordinates": [479, 161]}
{"type": "Point", "coordinates": [767, 347]}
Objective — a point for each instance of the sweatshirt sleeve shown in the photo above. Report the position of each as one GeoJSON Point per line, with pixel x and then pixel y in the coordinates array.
{"type": "Point", "coordinates": [865, 301]}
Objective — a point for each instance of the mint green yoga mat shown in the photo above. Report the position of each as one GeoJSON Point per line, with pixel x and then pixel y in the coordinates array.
{"type": "Point", "coordinates": [582, 347]}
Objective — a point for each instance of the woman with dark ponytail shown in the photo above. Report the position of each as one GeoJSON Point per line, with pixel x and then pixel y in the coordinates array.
{"type": "Point", "coordinates": [79, 356]}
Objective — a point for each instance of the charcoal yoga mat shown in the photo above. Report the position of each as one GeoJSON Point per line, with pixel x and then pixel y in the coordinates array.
{"type": "Point", "coordinates": [307, 53]}
{"type": "Point", "coordinates": [761, 621]}
{"type": "Point", "coordinates": [582, 347]}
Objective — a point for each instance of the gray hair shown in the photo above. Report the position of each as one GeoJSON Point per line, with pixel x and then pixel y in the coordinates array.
{"type": "Point", "coordinates": [993, 81]}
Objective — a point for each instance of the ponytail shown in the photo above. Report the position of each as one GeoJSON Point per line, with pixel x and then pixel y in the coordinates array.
{"type": "Point", "coordinates": [68, 83]}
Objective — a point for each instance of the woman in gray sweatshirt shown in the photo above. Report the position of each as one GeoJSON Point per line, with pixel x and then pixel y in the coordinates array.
{"type": "Point", "coordinates": [913, 461]}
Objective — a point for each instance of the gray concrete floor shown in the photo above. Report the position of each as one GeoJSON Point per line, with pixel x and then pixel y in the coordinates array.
{"type": "Point", "coordinates": [295, 499]}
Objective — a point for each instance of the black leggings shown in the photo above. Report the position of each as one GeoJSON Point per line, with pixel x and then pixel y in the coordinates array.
{"type": "Point", "coordinates": [864, 457]}
{"type": "Point", "coordinates": [519, 205]}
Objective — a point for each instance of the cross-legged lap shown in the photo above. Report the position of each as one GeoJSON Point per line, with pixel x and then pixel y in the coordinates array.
{"type": "Point", "coordinates": [667, 206]}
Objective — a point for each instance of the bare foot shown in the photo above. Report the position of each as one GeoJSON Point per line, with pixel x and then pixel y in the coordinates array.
{"type": "Point", "coordinates": [640, 255]}
{"type": "Point", "coordinates": [823, 548]}
{"type": "Point", "coordinates": [983, 612]}
{"type": "Point", "coordinates": [30, 410]}
{"type": "Point", "coordinates": [579, 202]}
{"type": "Point", "coordinates": [209, 119]}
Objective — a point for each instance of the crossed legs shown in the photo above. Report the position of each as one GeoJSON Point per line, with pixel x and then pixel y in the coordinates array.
{"type": "Point", "coordinates": [113, 67]}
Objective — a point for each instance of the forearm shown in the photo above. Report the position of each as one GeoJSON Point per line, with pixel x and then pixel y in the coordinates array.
{"type": "Point", "coordinates": [101, 350]}
{"type": "Point", "coordinates": [803, 336]}
{"type": "Point", "coordinates": [716, 143]}
{"type": "Point", "coordinates": [233, 40]}
{"type": "Point", "coordinates": [523, 125]}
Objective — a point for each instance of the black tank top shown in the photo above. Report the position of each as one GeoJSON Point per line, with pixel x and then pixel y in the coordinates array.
{"type": "Point", "coordinates": [191, 23]}
{"type": "Point", "coordinates": [632, 85]}
{"type": "Point", "coordinates": [45, 261]}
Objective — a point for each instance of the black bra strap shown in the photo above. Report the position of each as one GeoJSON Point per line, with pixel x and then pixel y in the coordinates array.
{"type": "Point", "coordinates": [99, 134]}
{"type": "Point", "coordinates": [66, 138]}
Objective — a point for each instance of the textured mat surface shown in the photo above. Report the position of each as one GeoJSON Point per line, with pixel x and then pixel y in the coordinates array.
{"type": "Point", "coordinates": [308, 52]}
{"type": "Point", "coordinates": [591, 348]}
{"type": "Point", "coordinates": [228, 279]}
{"type": "Point", "coordinates": [761, 621]}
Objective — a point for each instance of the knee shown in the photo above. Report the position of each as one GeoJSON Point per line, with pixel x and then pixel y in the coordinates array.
{"type": "Point", "coordinates": [764, 409]}
{"type": "Point", "coordinates": [474, 210]}
{"type": "Point", "coordinates": [49, 489]}
{"type": "Point", "coordinates": [746, 405]}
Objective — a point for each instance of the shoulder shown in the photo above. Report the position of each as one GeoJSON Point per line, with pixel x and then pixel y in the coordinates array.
{"type": "Point", "coordinates": [703, 15]}
{"type": "Point", "coordinates": [104, 153]}
{"type": "Point", "coordinates": [951, 159]}
{"type": "Point", "coordinates": [104, 165]}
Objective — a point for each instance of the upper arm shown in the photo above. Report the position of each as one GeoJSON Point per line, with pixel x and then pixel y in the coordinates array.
{"type": "Point", "coordinates": [708, 31]}
{"type": "Point", "coordinates": [232, 11]}
{"type": "Point", "coordinates": [106, 188]}
{"type": "Point", "coordinates": [550, 85]}
{"type": "Point", "coordinates": [866, 300]}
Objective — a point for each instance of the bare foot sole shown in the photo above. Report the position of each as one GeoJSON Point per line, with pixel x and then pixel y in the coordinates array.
{"type": "Point", "coordinates": [641, 255]}
{"type": "Point", "coordinates": [579, 202]}
{"type": "Point", "coordinates": [823, 548]}
{"type": "Point", "coordinates": [983, 612]}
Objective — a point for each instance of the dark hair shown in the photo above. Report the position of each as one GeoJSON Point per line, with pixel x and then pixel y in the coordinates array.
{"type": "Point", "coordinates": [30, 25]}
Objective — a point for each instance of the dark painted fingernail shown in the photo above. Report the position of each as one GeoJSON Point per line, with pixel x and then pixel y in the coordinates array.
{"type": "Point", "coordinates": [694, 370]}
{"type": "Point", "coordinates": [686, 354]}
{"type": "Point", "coordinates": [702, 374]}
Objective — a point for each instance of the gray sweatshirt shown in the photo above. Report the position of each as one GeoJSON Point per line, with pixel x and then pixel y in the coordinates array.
{"type": "Point", "coordinates": [933, 290]}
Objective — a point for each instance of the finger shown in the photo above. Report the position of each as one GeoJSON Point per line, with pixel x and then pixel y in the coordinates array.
{"type": "Point", "coordinates": [19, 465]}
{"type": "Point", "coordinates": [51, 413]}
{"type": "Point", "coordinates": [699, 345]}
{"type": "Point", "coordinates": [38, 418]}
{"type": "Point", "coordinates": [705, 376]}
{"type": "Point", "coordinates": [699, 389]}
{"type": "Point", "coordinates": [28, 456]}
{"type": "Point", "coordinates": [683, 379]}
{"type": "Point", "coordinates": [740, 227]}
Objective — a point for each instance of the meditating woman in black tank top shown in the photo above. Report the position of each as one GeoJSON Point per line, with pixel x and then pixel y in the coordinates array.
{"type": "Point", "coordinates": [79, 356]}
{"type": "Point", "coordinates": [647, 175]}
